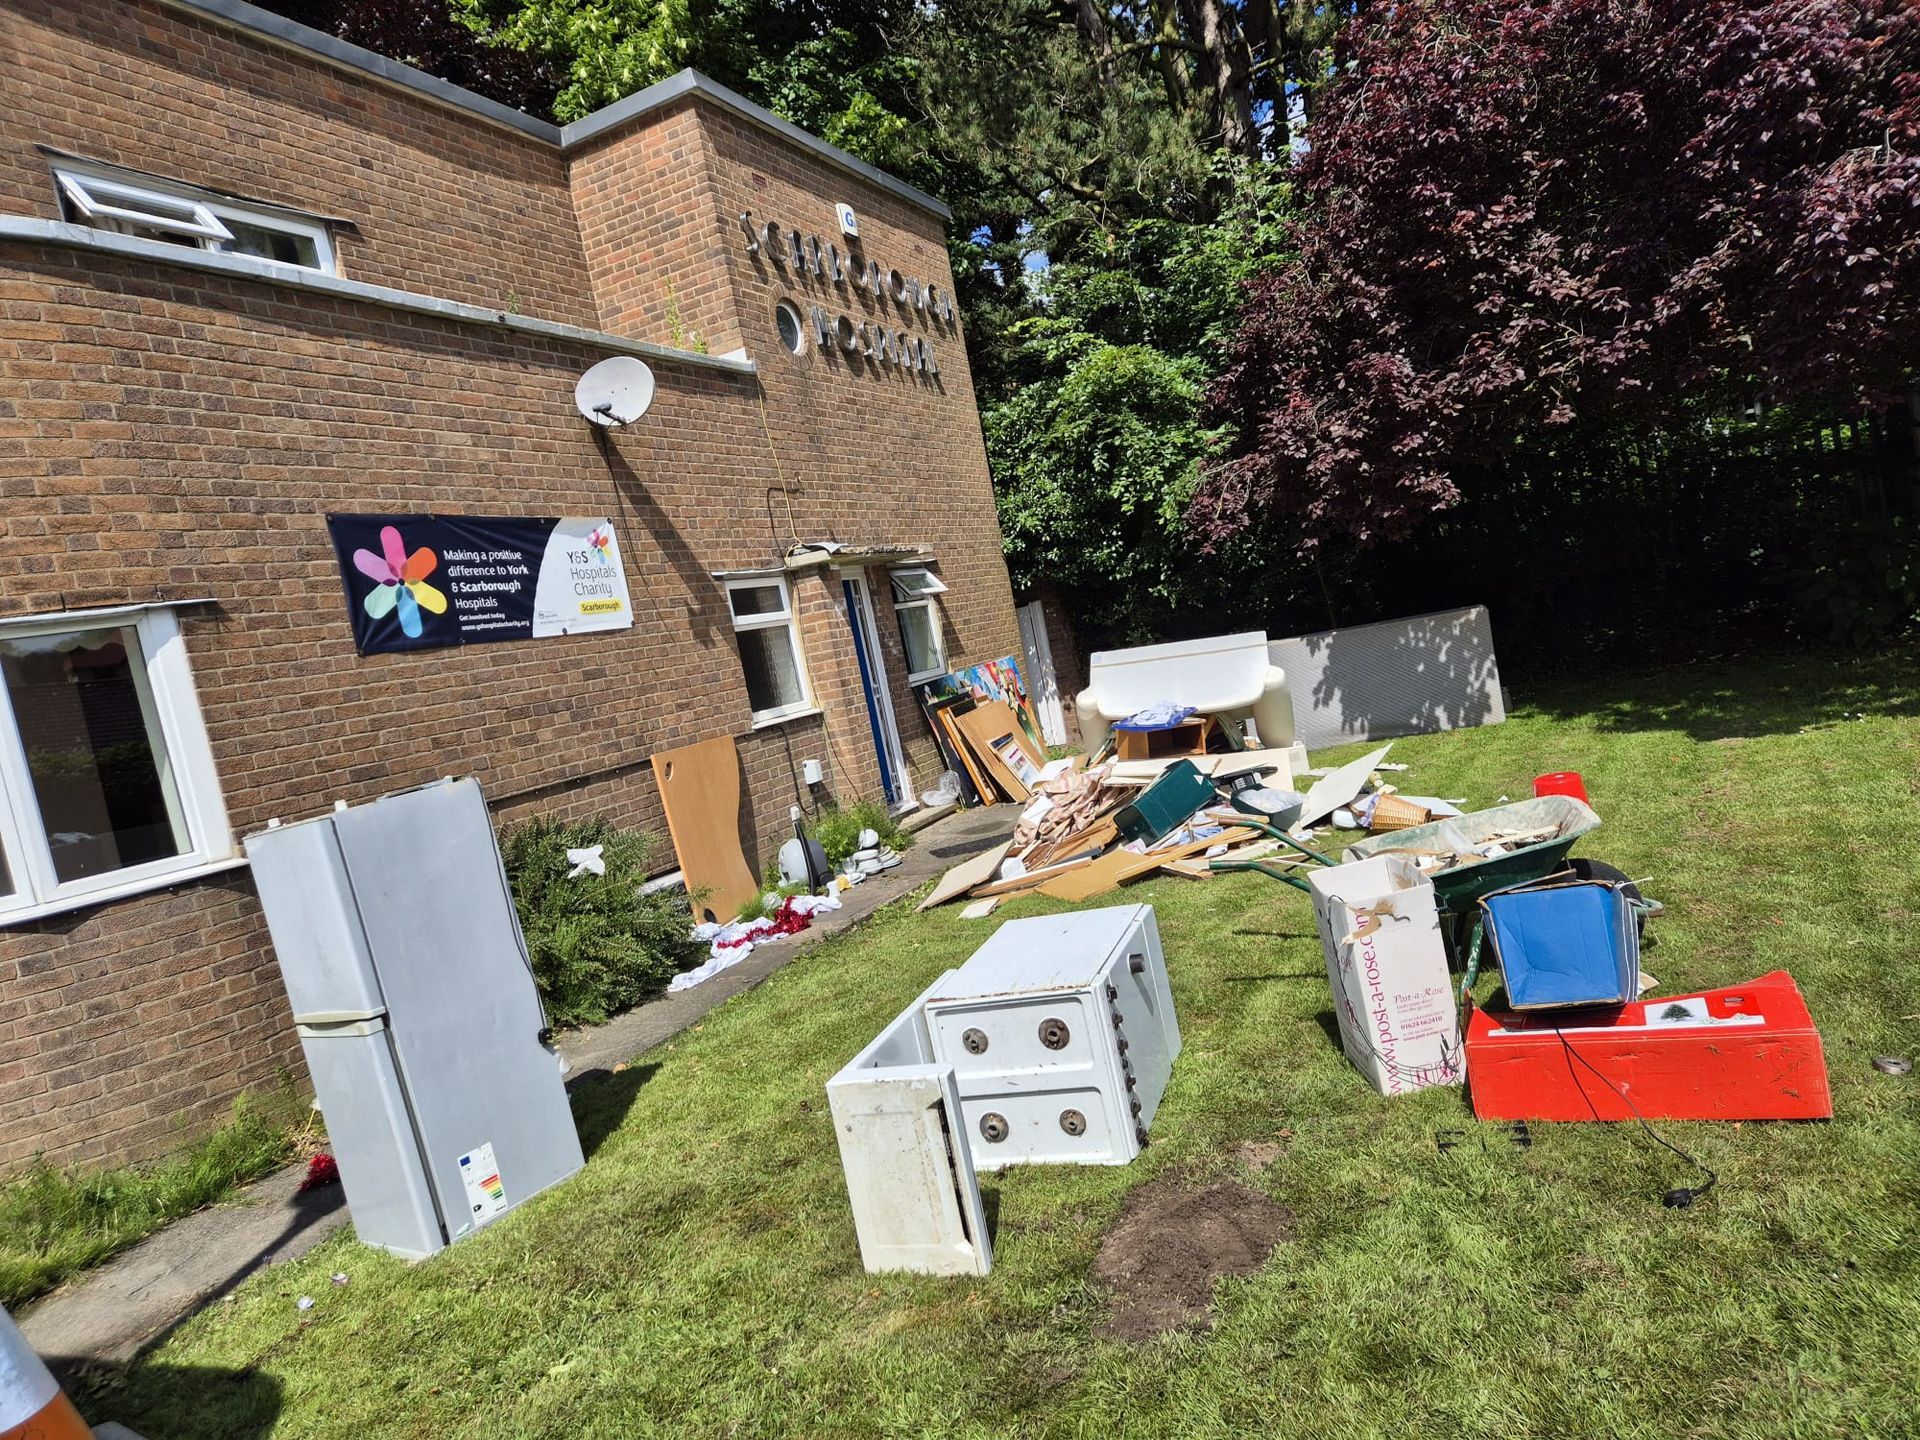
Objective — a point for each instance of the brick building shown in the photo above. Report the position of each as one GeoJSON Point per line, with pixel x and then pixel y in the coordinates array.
{"type": "Point", "coordinates": [251, 277]}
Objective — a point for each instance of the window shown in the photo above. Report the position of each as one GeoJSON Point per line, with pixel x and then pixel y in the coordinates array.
{"type": "Point", "coordinates": [920, 633]}
{"type": "Point", "coordinates": [769, 648]}
{"type": "Point", "coordinates": [135, 204]}
{"type": "Point", "coordinates": [106, 780]}
{"type": "Point", "coordinates": [786, 320]}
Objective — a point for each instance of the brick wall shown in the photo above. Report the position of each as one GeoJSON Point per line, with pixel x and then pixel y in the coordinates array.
{"type": "Point", "coordinates": [645, 197]}
{"type": "Point", "coordinates": [435, 200]}
{"type": "Point", "coordinates": [165, 433]}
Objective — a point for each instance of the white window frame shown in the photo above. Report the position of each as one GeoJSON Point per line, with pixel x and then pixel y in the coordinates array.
{"type": "Point", "coordinates": [783, 618]}
{"type": "Point", "coordinates": [922, 600]}
{"type": "Point", "coordinates": [111, 198]}
{"type": "Point", "coordinates": [168, 680]}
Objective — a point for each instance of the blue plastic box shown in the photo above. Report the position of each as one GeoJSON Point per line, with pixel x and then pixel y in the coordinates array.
{"type": "Point", "coordinates": [1571, 944]}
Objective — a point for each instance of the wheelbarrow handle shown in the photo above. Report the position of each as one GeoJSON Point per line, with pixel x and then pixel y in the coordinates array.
{"type": "Point", "coordinates": [1273, 871]}
{"type": "Point", "coordinates": [1275, 832]}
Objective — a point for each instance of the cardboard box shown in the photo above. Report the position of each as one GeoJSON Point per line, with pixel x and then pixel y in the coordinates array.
{"type": "Point", "coordinates": [1387, 966]}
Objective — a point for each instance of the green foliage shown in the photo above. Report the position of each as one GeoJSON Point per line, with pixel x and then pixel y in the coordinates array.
{"type": "Point", "coordinates": [55, 1223]}
{"type": "Point", "coordinates": [599, 946]}
{"type": "Point", "coordinates": [767, 903]}
{"type": "Point", "coordinates": [838, 828]}
{"type": "Point", "coordinates": [1860, 579]}
{"type": "Point", "coordinates": [1096, 451]}
{"type": "Point", "coordinates": [1095, 470]}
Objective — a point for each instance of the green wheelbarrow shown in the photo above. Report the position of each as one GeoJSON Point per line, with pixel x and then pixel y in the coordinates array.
{"type": "Point", "coordinates": [1542, 831]}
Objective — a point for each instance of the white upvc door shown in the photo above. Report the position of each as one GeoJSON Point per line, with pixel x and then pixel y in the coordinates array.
{"type": "Point", "coordinates": [1042, 684]}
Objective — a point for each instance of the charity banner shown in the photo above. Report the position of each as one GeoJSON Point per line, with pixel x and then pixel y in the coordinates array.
{"type": "Point", "coordinates": [419, 582]}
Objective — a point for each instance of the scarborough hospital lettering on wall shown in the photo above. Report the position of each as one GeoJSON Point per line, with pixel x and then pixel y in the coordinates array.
{"type": "Point", "coordinates": [804, 255]}
{"type": "Point", "coordinates": [415, 582]}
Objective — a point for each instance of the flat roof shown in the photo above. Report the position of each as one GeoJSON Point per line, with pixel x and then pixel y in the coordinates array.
{"type": "Point", "coordinates": [279, 30]}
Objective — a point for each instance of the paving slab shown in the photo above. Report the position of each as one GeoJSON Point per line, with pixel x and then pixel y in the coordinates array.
{"type": "Point", "coordinates": [108, 1315]}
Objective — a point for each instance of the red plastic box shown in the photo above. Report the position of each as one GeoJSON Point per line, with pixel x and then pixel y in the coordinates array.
{"type": "Point", "coordinates": [1748, 1052]}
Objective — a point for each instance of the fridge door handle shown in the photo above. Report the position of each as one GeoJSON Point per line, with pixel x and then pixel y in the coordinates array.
{"type": "Point", "coordinates": [338, 1017]}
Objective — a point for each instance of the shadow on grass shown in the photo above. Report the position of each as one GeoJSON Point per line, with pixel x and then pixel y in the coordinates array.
{"type": "Point", "coordinates": [601, 1099]}
{"type": "Point", "coordinates": [1729, 698]}
{"type": "Point", "coordinates": [1330, 1022]}
{"type": "Point", "coordinates": [179, 1402]}
{"type": "Point", "coordinates": [990, 1207]}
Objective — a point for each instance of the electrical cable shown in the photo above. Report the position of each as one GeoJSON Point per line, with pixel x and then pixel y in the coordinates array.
{"type": "Point", "coordinates": [1681, 1196]}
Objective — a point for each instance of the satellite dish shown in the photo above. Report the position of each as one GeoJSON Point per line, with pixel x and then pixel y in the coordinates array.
{"type": "Point", "coordinates": [615, 392]}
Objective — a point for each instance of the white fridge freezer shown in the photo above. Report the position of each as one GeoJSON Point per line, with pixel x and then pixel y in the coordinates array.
{"type": "Point", "coordinates": [418, 1013]}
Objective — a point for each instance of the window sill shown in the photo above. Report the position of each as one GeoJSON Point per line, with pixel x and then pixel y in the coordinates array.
{"type": "Point", "coordinates": [784, 717]}
{"type": "Point", "coordinates": [925, 675]}
{"type": "Point", "coordinates": [66, 904]}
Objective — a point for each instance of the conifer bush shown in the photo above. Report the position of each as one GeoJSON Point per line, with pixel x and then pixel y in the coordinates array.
{"type": "Point", "coordinates": [598, 945]}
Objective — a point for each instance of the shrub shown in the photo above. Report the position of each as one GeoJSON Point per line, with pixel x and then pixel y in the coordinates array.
{"type": "Point", "coordinates": [598, 945]}
{"type": "Point", "coordinates": [838, 829]}
{"type": "Point", "coordinates": [1859, 578]}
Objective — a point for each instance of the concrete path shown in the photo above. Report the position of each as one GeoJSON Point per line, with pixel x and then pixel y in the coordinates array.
{"type": "Point", "coordinates": [109, 1315]}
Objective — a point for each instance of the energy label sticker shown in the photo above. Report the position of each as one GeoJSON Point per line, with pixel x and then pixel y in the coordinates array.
{"type": "Point", "coordinates": [486, 1196]}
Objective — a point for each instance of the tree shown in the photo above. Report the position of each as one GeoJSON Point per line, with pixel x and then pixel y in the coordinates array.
{"type": "Point", "coordinates": [1097, 444]}
{"type": "Point", "coordinates": [425, 34]}
{"type": "Point", "coordinates": [1528, 221]}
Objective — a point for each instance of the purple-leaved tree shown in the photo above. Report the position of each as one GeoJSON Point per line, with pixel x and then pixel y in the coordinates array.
{"type": "Point", "coordinates": [1525, 220]}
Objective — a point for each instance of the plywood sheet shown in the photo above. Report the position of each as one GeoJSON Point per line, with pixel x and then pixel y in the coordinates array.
{"type": "Point", "coordinates": [700, 789]}
{"type": "Point", "coordinates": [1117, 867]}
{"type": "Point", "coordinates": [986, 726]}
{"type": "Point", "coordinates": [1029, 881]}
{"type": "Point", "coordinates": [967, 874]}
{"type": "Point", "coordinates": [988, 792]}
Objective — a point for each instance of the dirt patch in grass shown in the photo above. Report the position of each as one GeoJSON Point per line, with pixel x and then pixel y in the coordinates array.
{"type": "Point", "coordinates": [1171, 1243]}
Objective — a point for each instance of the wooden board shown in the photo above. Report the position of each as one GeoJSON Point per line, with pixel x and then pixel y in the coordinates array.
{"type": "Point", "coordinates": [1097, 836]}
{"type": "Point", "coordinates": [1096, 877]}
{"type": "Point", "coordinates": [1116, 868]}
{"type": "Point", "coordinates": [1200, 867]}
{"type": "Point", "coordinates": [953, 754]}
{"type": "Point", "coordinates": [1029, 881]}
{"type": "Point", "coordinates": [700, 788]}
{"type": "Point", "coordinates": [967, 874]}
{"type": "Point", "coordinates": [984, 726]}
{"type": "Point", "coordinates": [988, 792]}
{"type": "Point", "coordinates": [1220, 767]}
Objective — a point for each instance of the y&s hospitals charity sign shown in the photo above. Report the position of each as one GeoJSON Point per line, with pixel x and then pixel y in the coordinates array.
{"type": "Point", "coordinates": [415, 582]}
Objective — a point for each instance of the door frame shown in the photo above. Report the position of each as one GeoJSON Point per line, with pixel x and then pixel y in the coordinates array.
{"type": "Point", "coordinates": [890, 754]}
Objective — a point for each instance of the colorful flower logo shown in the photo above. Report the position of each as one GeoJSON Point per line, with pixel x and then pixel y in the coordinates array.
{"type": "Point", "coordinates": [602, 542]}
{"type": "Point", "coordinates": [400, 581]}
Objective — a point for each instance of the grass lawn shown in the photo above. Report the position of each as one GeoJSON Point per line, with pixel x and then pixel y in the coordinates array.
{"type": "Point", "coordinates": [701, 1277]}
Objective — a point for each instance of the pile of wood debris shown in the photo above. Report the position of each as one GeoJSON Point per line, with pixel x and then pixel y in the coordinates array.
{"type": "Point", "coordinates": [1090, 828]}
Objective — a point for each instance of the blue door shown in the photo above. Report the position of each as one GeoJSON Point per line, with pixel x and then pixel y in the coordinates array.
{"type": "Point", "coordinates": [872, 680]}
